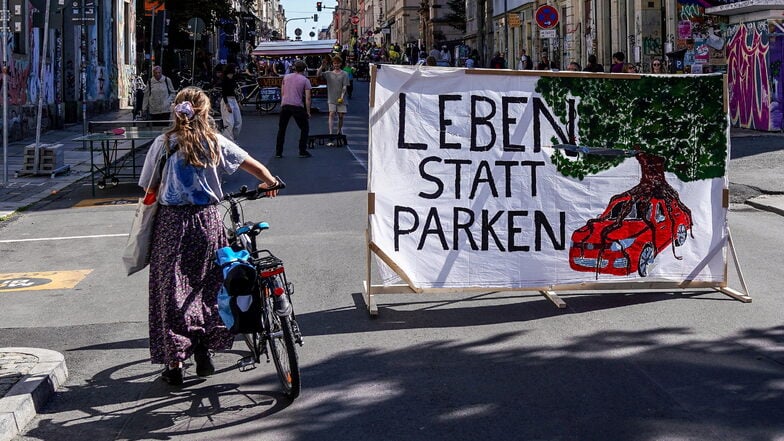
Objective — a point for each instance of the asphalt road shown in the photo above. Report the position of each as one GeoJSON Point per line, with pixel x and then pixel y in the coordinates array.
{"type": "Point", "coordinates": [500, 365]}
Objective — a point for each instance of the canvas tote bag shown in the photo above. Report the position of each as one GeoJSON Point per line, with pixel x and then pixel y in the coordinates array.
{"type": "Point", "coordinates": [137, 250]}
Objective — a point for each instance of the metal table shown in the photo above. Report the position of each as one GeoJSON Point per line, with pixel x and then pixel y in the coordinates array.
{"type": "Point", "coordinates": [109, 171]}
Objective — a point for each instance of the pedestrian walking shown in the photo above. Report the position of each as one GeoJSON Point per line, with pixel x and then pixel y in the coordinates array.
{"type": "Point", "coordinates": [158, 96]}
{"type": "Point", "coordinates": [295, 90]}
{"type": "Point", "coordinates": [337, 82]}
{"type": "Point", "coordinates": [184, 280]}
{"type": "Point", "coordinates": [230, 108]}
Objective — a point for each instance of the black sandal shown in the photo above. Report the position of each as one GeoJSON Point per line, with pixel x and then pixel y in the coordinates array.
{"type": "Point", "coordinates": [204, 366]}
{"type": "Point", "coordinates": [172, 376]}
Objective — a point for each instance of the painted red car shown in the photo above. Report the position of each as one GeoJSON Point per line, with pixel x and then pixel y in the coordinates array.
{"type": "Point", "coordinates": [609, 245]}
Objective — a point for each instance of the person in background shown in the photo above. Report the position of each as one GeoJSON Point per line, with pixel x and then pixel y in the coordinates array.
{"type": "Point", "coordinates": [435, 53]}
{"type": "Point", "coordinates": [337, 82]}
{"type": "Point", "coordinates": [350, 71]}
{"type": "Point", "coordinates": [545, 63]}
{"type": "Point", "coordinates": [230, 108]}
{"type": "Point", "coordinates": [498, 61]}
{"type": "Point", "coordinates": [431, 61]}
{"type": "Point", "coordinates": [158, 96]}
{"type": "Point", "coordinates": [573, 66]}
{"type": "Point", "coordinates": [295, 102]}
{"type": "Point", "coordinates": [617, 62]}
{"type": "Point", "coordinates": [525, 62]}
{"type": "Point", "coordinates": [593, 65]}
{"type": "Point", "coordinates": [184, 280]}
{"type": "Point", "coordinates": [217, 76]}
{"type": "Point", "coordinates": [629, 68]}
{"type": "Point", "coordinates": [656, 66]}
{"type": "Point", "coordinates": [444, 57]}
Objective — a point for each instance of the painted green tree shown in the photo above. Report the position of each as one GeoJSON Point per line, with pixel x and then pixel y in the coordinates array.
{"type": "Point", "coordinates": [669, 124]}
{"type": "Point", "coordinates": [680, 118]}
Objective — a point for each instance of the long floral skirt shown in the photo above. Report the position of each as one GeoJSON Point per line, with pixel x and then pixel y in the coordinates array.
{"type": "Point", "coordinates": [184, 283]}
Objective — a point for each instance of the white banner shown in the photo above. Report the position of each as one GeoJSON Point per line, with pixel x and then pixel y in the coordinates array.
{"type": "Point", "coordinates": [487, 180]}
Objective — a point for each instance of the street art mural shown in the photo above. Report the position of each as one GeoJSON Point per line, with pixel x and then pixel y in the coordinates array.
{"type": "Point", "coordinates": [754, 75]}
{"type": "Point", "coordinates": [61, 67]}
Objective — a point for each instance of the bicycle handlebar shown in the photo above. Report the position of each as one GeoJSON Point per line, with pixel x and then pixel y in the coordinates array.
{"type": "Point", "coordinates": [254, 194]}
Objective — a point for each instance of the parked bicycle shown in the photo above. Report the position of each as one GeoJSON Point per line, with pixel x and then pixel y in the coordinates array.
{"type": "Point", "coordinates": [277, 328]}
{"type": "Point", "coordinates": [265, 99]}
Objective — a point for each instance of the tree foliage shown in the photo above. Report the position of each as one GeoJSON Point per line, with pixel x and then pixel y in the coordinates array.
{"type": "Point", "coordinates": [679, 118]}
{"type": "Point", "coordinates": [211, 11]}
{"type": "Point", "coordinates": [456, 17]}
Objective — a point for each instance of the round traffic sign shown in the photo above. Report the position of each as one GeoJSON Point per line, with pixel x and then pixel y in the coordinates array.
{"type": "Point", "coordinates": [196, 26]}
{"type": "Point", "coordinates": [355, 20]}
{"type": "Point", "coordinates": [546, 17]}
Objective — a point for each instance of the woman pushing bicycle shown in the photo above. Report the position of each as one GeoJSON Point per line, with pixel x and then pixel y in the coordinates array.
{"type": "Point", "coordinates": [184, 279]}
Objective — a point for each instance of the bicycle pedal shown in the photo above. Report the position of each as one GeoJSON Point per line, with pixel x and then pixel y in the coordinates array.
{"type": "Point", "coordinates": [246, 364]}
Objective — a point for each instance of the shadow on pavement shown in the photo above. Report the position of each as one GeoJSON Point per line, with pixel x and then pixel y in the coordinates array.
{"type": "Point", "coordinates": [515, 384]}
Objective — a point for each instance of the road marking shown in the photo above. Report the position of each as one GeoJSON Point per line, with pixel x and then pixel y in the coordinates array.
{"type": "Point", "coordinates": [11, 282]}
{"type": "Point", "coordinates": [107, 201]}
{"type": "Point", "coordinates": [96, 236]}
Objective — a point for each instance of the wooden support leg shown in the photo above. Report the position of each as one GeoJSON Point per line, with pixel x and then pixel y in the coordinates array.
{"type": "Point", "coordinates": [735, 294]}
{"type": "Point", "coordinates": [553, 297]}
{"type": "Point", "coordinates": [370, 300]}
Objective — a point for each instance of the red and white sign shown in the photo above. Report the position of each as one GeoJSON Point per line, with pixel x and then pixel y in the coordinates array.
{"type": "Point", "coordinates": [546, 17]}
{"type": "Point", "coordinates": [355, 20]}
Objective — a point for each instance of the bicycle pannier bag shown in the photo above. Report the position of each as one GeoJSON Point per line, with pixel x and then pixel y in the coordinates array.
{"type": "Point", "coordinates": [239, 301]}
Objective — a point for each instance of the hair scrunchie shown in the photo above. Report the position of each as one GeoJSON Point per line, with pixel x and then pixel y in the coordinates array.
{"type": "Point", "coordinates": [185, 108]}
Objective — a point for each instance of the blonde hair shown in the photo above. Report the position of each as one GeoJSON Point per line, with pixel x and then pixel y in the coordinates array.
{"type": "Point", "coordinates": [196, 136]}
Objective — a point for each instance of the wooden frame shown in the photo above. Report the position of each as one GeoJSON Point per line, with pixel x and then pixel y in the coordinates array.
{"type": "Point", "coordinates": [550, 292]}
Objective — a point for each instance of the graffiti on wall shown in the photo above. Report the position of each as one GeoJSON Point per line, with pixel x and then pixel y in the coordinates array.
{"type": "Point", "coordinates": [748, 76]}
{"type": "Point", "coordinates": [775, 60]}
{"type": "Point", "coordinates": [701, 36]}
{"type": "Point", "coordinates": [18, 77]}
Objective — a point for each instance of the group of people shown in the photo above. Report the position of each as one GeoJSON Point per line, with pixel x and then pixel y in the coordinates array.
{"type": "Point", "coordinates": [618, 64]}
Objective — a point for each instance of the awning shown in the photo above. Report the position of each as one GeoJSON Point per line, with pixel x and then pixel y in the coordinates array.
{"type": "Point", "coordinates": [745, 7]}
{"type": "Point", "coordinates": [296, 48]}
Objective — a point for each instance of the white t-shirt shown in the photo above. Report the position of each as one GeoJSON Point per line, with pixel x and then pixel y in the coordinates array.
{"type": "Point", "coordinates": [184, 184]}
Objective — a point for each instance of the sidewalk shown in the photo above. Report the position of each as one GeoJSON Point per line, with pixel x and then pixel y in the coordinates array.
{"type": "Point", "coordinates": [28, 378]}
{"type": "Point", "coordinates": [23, 191]}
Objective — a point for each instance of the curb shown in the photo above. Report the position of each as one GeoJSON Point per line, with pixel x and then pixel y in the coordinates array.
{"type": "Point", "coordinates": [772, 203]}
{"type": "Point", "coordinates": [20, 405]}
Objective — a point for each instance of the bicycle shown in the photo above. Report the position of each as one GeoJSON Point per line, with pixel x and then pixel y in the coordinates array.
{"type": "Point", "coordinates": [265, 98]}
{"type": "Point", "coordinates": [279, 331]}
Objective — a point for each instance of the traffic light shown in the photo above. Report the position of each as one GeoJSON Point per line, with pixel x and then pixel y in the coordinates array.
{"type": "Point", "coordinates": [315, 17]}
{"type": "Point", "coordinates": [318, 6]}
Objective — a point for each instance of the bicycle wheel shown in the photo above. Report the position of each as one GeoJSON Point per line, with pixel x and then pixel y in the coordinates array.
{"type": "Point", "coordinates": [265, 106]}
{"type": "Point", "coordinates": [284, 354]}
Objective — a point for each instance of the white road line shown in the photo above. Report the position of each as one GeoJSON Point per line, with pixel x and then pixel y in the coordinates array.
{"type": "Point", "coordinates": [97, 236]}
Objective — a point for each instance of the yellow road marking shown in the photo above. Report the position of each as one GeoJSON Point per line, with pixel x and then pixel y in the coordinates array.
{"type": "Point", "coordinates": [10, 282]}
{"type": "Point", "coordinates": [107, 201]}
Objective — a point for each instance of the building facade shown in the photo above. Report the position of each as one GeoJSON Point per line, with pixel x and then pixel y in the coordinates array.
{"type": "Point", "coordinates": [103, 34]}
